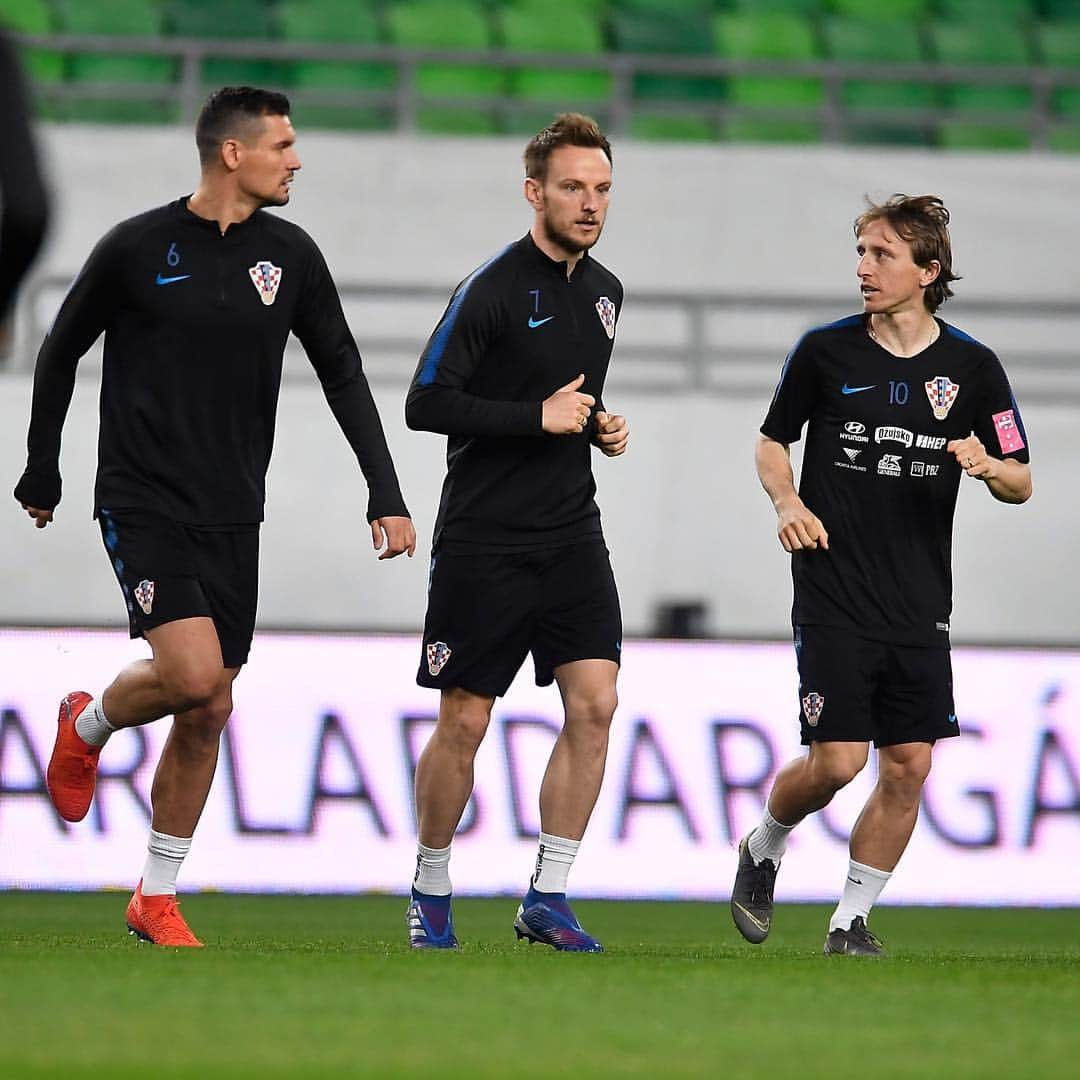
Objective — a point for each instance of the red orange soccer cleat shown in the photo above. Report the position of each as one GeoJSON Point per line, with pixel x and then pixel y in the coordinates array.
{"type": "Point", "coordinates": [157, 919]}
{"type": "Point", "coordinates": [72, 771]}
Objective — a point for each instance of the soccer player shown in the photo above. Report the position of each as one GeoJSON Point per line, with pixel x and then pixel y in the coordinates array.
{"type": "Point", "coordinates": [196, 300]}
{"type": "Point", "coordinates": [514, 375]}
{"type": "Point", "coordinates": [898, 405]}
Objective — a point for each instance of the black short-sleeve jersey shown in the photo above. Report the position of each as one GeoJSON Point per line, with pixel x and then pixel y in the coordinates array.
{"type": "Point", "coordinates": [876, 472]}
{"type": "Point", "coordinates": [195, 325]}
{"type": "Point", "coordinates": [515, 331]}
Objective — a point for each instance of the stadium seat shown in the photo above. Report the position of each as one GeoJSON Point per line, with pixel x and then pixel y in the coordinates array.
{"type": "Point", "coordinates": [893, 11]}
{"type": "Point", "coordinates": [94, 70]}
{"type": "Point", "coordinates": [672, 128]}
{"type": "Point", "coordinates": [980, 10]}
{"type": "Point", "coordinates": [554, 27]}
{"type": "Point", "coordinates": [859, 40]}
{"type": "Point", "coordinates": [987, 44]}
{"type": "Point", "coordinates": [1063, 10]}
{"type": "Point", "coordinates": [428, 24]}
{"type": "Point", "coordinates": [684, 34]}
{"type": "Point", "coordinates": [232, 21]}
{"type": "Point", "coordinates": [342, 22]}
{"type": "Point", "coordinates": [770, 36]}
{"type": "Point", "coordinates": [42, 66]}
{"type": "Point", "coordinates": [786, 7]}
{"type": "Point", "coordinates": [1058, 45]}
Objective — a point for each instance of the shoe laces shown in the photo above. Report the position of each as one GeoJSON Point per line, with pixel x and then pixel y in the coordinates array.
{"type": "Point", "coordinates": [762, 881]}
{"type": "Point", "coordinates": [861, 933]}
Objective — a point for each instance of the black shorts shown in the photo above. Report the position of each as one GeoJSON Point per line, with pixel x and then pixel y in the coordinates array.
{"type": "Point", "coordinates": [169, 571]}
{"type": "Point", "coordinates": [852, 689]}
{"type": "Point", "coordinates": [487, 612]}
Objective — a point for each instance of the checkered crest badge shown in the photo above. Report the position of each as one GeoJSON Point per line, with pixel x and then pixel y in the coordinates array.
{"type": "Point", "coordinates": [266, 277]}
{"type": "Point", "coordinates": [438, 652]}
{"type": "Point", "coordinates": [812, 705]}
{"type": "Point", "coordinates": [606, 310]}
{"type": "Point", "coordinates": [144, 593]}
{"type": "Point", "coordinates": [941, 391]}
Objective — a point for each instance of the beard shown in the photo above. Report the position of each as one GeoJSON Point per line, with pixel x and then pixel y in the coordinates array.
{"type": "Point", "coordinates": [566, 241]}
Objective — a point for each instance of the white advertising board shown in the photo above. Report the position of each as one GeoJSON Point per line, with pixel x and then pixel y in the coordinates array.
{"type": "Point", "coordinates": [313, 789]}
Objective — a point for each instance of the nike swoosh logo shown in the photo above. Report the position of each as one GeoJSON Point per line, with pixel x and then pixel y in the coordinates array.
{"type": "Point", "coordinates": [854, 881]}
{"type": "Point", "coordinates": [845, 389]}
{"type": "Point", "coordinates": [534, 323]}
{"type": "Point", "coordinates": [169, 280]}
{"type": "Point", "coordinates": [762, 926]}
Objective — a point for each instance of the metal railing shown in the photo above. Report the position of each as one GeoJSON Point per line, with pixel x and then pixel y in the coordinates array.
{"type": "Point", "coordinates": [837, 119]}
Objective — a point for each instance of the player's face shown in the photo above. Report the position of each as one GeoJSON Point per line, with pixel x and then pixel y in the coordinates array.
{"type": "Point", "coordinates": [890, 280]}
{"type": "Point", "coordinates": [572, 201]}
{"type": "Point", "coordinates": [267, 160]}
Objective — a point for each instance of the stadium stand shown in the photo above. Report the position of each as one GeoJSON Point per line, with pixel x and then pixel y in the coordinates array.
{"type": "Point", "coordinates": [963, 74]}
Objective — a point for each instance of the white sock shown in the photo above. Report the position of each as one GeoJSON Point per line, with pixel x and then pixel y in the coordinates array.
{"type": "Point", "coordinates": [91, 725]}
{"type": "Point", "coordinates": [432, 870]}
{"type": "Point", "coordinates": [553, 862]}
{"type": "Point", "coordinates": [164, 855]}
{"type": "Point", "coordinates": [769, 839]}
{"type": "Point", "coordinates": [862, 888]}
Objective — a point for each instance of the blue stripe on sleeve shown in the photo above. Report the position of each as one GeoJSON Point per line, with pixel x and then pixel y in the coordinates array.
{"type": "Point", "coordinates": [443, 330]}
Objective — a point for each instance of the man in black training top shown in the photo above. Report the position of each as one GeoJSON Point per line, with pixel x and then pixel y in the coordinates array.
{"type": "Point", "coordinates": [898, 405]}
{"type": "Point", "coordinates": [514, 375]}
{"type": "Point", "coordinates": [196, 300]}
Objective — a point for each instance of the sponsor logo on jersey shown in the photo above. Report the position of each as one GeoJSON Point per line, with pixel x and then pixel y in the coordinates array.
{"type": "Point", "coordinates": [854, 432]}
{"type": "Point", "coordinates": [889, 465]}
{"type": "Point", "coordinates": [941, 391]}
{"type": "Point", "coordinates": [845, 389]}
{"type": "Point", "coordinates": [920, 468]}
{"type": "Point", "coordinates": [1008, 433]}
{"type": "Point", "coordinates": [606, 310]}
{"type": "Point", "coordinates": [812, 705]}
{"type": "Point", "coordinates": [893, 434]}
{"type": "Point", "coordinates": [144, 594]}
{"type": "Point", "coordinates": [943, 626]}
{"type": "Point", "coordinates": [266, 277]}
{"type": "Point", "coordinates": [438, 652]}
{"type": "Point", "coordinates": [851, 453]}
{"type": "Point", "coordinates": [930, 442]}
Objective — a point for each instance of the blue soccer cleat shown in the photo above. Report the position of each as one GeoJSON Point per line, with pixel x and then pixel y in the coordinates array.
{"type": "Point", "coordinates": [547, 918]}
{"type": "Point", "coordinates": [430, 922]}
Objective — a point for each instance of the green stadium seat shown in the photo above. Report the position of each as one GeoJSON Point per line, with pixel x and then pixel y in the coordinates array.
{"type": "Point", "coordinates": [544, 26]}
{"type": "Point", "coordinates": [233, 21]}
{"type": "Point", "coordinates": [116, 18]}
{"type": "Point", "coordinates": [41, 66]}
{"type": "Point", "coordinates": [427, 24]}
{"type": "Point", "coordinates": [340, 22]}
{"type": "Point", "coordinates": [1059, 46]}
{"type": "Point", "coordinates": [859, 40]}
{"type": "Point", "coordinates": [1066, 138]}
{"type": "Point", "coordinates": [988, 44]}
{"type": "Point", "coordinates": [980, 10]}
{"type": "Point", "coordinates": [786, 7]}
{"type": "Point", "coordinates": [661, 7]}
{"type": "Point", "coordinates": [672, 128]}
{"type": "Point", "coordinates": [686, 34]}
{"type": "Point", "coordinates": [770, 36]}
{"type": "Point", "coordinates": [1064, 10]}
{"type": "Point", "coordinates": [893, 11]}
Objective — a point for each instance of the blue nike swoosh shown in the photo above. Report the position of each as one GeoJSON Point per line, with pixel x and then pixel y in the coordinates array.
{"type": "Point", "coordinates": [169, 280]}
{"type": "Point", "coordinates": [845, 389]}
{"type": "Point", "coordinates": [534, 323]}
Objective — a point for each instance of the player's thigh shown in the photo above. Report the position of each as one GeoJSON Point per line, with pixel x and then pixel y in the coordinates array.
{"type": "Point", "coordinates": [580, 616]}
{"type": "Point", "coordinates": [479, 621]}
{"type": "Point", "coordinates": [838, 674]}
{"type": "Point", "coordinates": [915, 700]}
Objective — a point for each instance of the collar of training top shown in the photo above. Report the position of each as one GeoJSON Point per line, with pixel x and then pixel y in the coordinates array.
{"type": "Point", "coordinates": [555, 266]}
{"type": "Point", "coordinates": [190, 217]}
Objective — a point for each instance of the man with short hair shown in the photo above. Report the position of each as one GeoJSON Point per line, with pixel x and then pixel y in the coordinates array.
{"type": "Point", "coordinates": [512, 375]}
{"type": "Point", "coordinates": [196, 300]}
{"type": "Point", "coordinates": [898, 406]}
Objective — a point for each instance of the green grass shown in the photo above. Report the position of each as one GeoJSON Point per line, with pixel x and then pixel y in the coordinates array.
{"type": "Point", "coordinates": [320, 986]}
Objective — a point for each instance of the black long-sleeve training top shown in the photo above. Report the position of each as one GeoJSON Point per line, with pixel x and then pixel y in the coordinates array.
{"type": "Point", "coordinates": [515, 331]}
{"type": "Point", "coordinates": [195, 326]}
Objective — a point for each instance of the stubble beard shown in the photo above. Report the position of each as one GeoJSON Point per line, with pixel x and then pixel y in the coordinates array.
{"type": "Point", "coordinates": [566, 242]}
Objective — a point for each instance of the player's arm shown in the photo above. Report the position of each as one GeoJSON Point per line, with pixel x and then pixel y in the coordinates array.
{"type": "Point", "coordinates": [324, 333]}
{"type": "Point", "coordinates": [797, 527]}
{"type": "Point", "coordinates": [83, 316]}
{"type": "Point", "coordinates": [439, 397]}
{"type": "Point", "coordinates": [1009, 480]}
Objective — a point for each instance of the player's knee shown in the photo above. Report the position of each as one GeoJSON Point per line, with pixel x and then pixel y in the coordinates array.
{"type": "Point", "coordinates": [591, 712]}
{"type": "Point", "coordinates": [463, 718]}
{"type": "Point", "coordinates": [193, 688]}
{"type": "Point", "coordinates": [834, 773]}
{"type": "Point", "coordinates": [205, 723]}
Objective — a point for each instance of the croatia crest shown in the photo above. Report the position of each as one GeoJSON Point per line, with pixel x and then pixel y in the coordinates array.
{"type": "Point", "coordinates": [812, 705]}
{"type": "Point", "coordinates": [941, 391]}
{"type": "Point", "coordinates": [144, 593]}
{"type": "Point", "coordinates": [606, 310]}
{"type": "Point", "coordinates": [266, 277]}
{"type": "Point", "coordinates": [438, 652]}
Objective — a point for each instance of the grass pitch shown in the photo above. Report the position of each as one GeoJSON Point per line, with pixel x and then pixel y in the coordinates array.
{"type": "Point", "coordinates": [322, 986]}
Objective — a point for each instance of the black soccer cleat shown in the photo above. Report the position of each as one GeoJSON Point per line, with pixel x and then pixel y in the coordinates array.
{"type": "Point", "coordinates": [855, 941]}
{"type": "Point", "coordinates": [752, 896]}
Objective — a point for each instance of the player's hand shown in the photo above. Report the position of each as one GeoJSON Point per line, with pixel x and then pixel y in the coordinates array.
{"type": "Point", "coordinates": [972, 457]}
{"type": "Point", "coordinates": [398, 535]}
{"type": "Point", "coordinates": [41, 517]}
{"type": "Point", "coordinates": [567, 411]}
{"type": "Point", "coordinates": [799, 529]}
{"type": "Point", "coordinates": [612, 434]}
